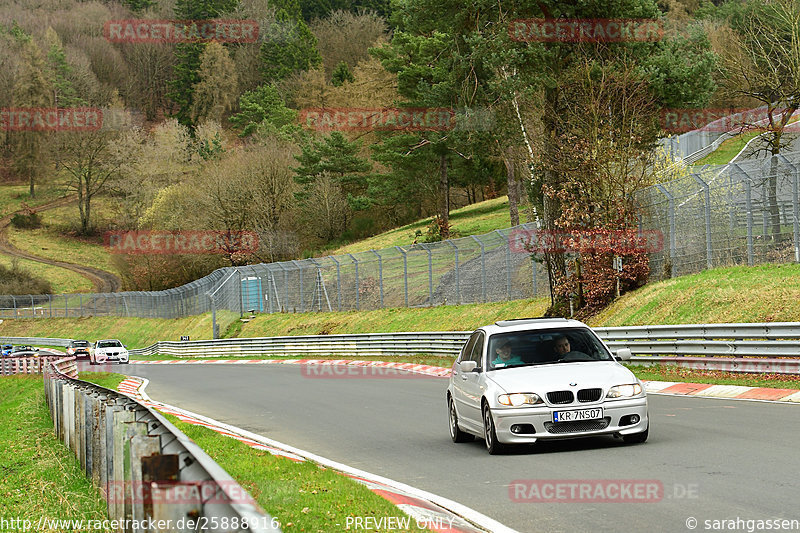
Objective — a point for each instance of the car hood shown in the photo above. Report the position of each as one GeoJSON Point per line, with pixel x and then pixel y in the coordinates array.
{"type": "Point", "coordinates": [560, 376]}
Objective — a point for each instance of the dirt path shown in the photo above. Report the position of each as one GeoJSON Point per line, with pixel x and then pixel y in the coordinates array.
{"type": "Point", "coordinates": [101, 280]}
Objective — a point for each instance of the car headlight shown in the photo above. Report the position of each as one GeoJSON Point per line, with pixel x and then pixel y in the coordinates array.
{"type": "Point", "coordinates": [624, 391]}
{"type": "Point", "coordinates": [517, 399]}
{"type": "Point", "coordinates": [70, 351]}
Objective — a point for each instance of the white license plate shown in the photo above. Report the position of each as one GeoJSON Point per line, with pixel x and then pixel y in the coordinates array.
{"type": "Point", "coordinates": [580, 414]}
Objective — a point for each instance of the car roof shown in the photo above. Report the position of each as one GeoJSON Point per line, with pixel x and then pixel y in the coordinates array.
{"type": "Point", "coordinates": [531, 324]}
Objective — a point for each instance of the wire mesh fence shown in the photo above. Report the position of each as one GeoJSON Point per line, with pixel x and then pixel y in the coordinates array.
{"type": "Point", "coordinates": [743, 213]}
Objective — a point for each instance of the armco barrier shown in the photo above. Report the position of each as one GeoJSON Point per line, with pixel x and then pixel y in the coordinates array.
{"type": "Point", "coordinates": [648, 344]}
{"type": "Point", "coordinates": [145, 467]}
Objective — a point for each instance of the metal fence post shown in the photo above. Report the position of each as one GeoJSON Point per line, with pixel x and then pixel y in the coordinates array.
{"type": "Point", "coordinates": [380, 274]}
{"type": "Point", "coordinates": [430, 273]}
{"type": "Point", "coordinates": [405, 273]}
{"type": "Point", "coordinates": [795, 205]}
{"type": "Point", "coordinates": [358, 299]}
{"type": "Point", "coordinates": [671, 216]}
{"type": "Point", "coordinates": [707, 196]}
{"type": "Point", "coordinates": [508, 262]}
{"type": "Point", "coordinates": [749, 200]}
{"type": "Point", "coordinates": [15, 305]}
{"type": "Point", "coordinates": [483, 267]}
{"type": "Point", "coordinates": [458, 281]}
{"type": "Point", "coordinates": [50, 305]}
{"type": "Point", "coordinates": [338, 283]}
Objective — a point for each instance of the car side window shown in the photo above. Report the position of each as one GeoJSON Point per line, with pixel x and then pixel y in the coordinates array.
{"type": "Point", "coordinates": [477, 349]}
{"type": "Point", "coordinates": [467, 349]}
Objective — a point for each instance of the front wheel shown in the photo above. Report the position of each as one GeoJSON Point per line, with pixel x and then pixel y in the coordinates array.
{"type": "Point", "coordinates": [455, 432]}
{"type": "Point", "coordinates": [490, 435]}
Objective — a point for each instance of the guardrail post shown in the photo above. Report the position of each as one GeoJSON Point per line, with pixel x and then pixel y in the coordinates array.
{"type": "Point", "coordinates": [132, 429]}
{"type": "Point", "coordinates": [380, 274]}
{"type": "Point", "coordinates": [141, 446]}
{"type": "Point", "coordinates": [458, 281]}
{"type": "Point", "coordinates": [707, 210]}
{"type": "Point", "coordinates": [405, 273]}
{"type": "Point", "coordinates": [117, 480]}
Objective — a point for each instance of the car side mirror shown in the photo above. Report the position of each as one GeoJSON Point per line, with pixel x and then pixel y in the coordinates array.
{"type": "Point", "coordinates": [467, 366]}
{"type": "Point", "coordinates": [624, 354]}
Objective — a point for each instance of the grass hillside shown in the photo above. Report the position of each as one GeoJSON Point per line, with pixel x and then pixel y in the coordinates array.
{"type": "Point", "coordinates": [50, 241]}
{"type": "Point", "coordinates": [475, 219]}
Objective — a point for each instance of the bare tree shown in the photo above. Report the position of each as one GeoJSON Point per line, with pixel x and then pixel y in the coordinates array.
{"type": "Point", "coordinates": [762, 64]}
{"type": "Point", "coordinates": [89, 164]}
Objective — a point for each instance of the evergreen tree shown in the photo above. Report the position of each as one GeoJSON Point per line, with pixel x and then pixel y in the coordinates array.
{"type": "Point", "coordinates": [187, 55]}
{"type": "Point", "coordinates": [289, 46]}
{"type": "Point", "coordinates": [342, 74]}
{"type": "Point", "coordinates": [216, 91]}
{"type": "Point", "coordinates": [263, 109]}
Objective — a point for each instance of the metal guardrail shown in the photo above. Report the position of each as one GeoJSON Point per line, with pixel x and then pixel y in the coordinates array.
{"type": "Point", "coordinates": [29, 364]}
{"type": "Point", "coordinates": [754, 340]}
{"type": "Point", "coordinates": [36, 341]}
{"type": "Point", "coordinates": [144, 466]}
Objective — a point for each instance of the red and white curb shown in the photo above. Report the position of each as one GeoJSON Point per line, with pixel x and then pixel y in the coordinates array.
{"type": "Point", "coordinates": [730, 392]}
{"type": "Point", "coordinates": [704, 390]}
{"type": "Point", "coordinates": [437, 513]}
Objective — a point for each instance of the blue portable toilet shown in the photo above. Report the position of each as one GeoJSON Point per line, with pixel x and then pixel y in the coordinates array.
{"type": "Point", "coordinates": [252, 294]}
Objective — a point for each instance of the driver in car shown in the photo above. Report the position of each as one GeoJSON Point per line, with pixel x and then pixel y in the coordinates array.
{"type": "Point", "coordinates": [504, 357]}
{"type": "Point", "coordinates": [561, 346]}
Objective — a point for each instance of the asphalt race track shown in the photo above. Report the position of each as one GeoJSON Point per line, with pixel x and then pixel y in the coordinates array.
{"type": "Point", "coordinates": [716, 459]}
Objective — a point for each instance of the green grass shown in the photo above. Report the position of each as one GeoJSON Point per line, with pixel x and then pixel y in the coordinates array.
{"type": "Point", "coordinates": [475, 219]}
{"type": "Point", "coordinates": [51, 242]}
{"type": "Point", "coordinates": [61, 279]}
{"type": "Point", "coordinates": [13, 196]}
{"type": "Point", "coordinates": [40, 476]}
{"type": "Point", "coordinates": [727, 150]}
{"type": "Point", "coordinates": [763, 293]}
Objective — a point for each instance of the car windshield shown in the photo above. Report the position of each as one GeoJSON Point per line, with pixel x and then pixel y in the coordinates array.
{"type": "Point", "coordinates": [528, 348]}
{"type": "Point", "coordinates": [109, 344]}
{"type": "Point", "coordinates": [80, 344]}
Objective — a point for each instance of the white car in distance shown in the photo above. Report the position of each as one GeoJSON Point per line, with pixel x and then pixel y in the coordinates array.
{"type": "Point", "coordinates": [520, 381]}
{"type": "Point", "coordinates": [108, 351]}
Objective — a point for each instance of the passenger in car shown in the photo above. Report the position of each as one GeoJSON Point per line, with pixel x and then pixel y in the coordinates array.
{"type": "Point", "coordinates": [561, 346]}
{"type": "Point", "coordinates": [504, 357]}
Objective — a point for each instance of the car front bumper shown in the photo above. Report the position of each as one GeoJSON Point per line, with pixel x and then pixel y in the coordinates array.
{"type": "Point", "coordinates": [541, 418]}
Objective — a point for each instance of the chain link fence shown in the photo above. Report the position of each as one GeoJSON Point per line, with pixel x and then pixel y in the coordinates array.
{"type": "Point", "coordinates": [742, 213]}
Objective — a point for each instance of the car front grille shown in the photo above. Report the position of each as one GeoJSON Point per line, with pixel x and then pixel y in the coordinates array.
{"type": "Point", "coordinates": [589, 395]}
{"type": "Point", "coordinates": [577, 426]}
{"type": "Point", "coordinates": [560, 397]}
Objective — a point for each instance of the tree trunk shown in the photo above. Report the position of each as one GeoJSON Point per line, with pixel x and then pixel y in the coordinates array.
{"type": "Point", "coordinates": [444, 198]}
{"type": "Point", "coordinates": [513, 190]}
